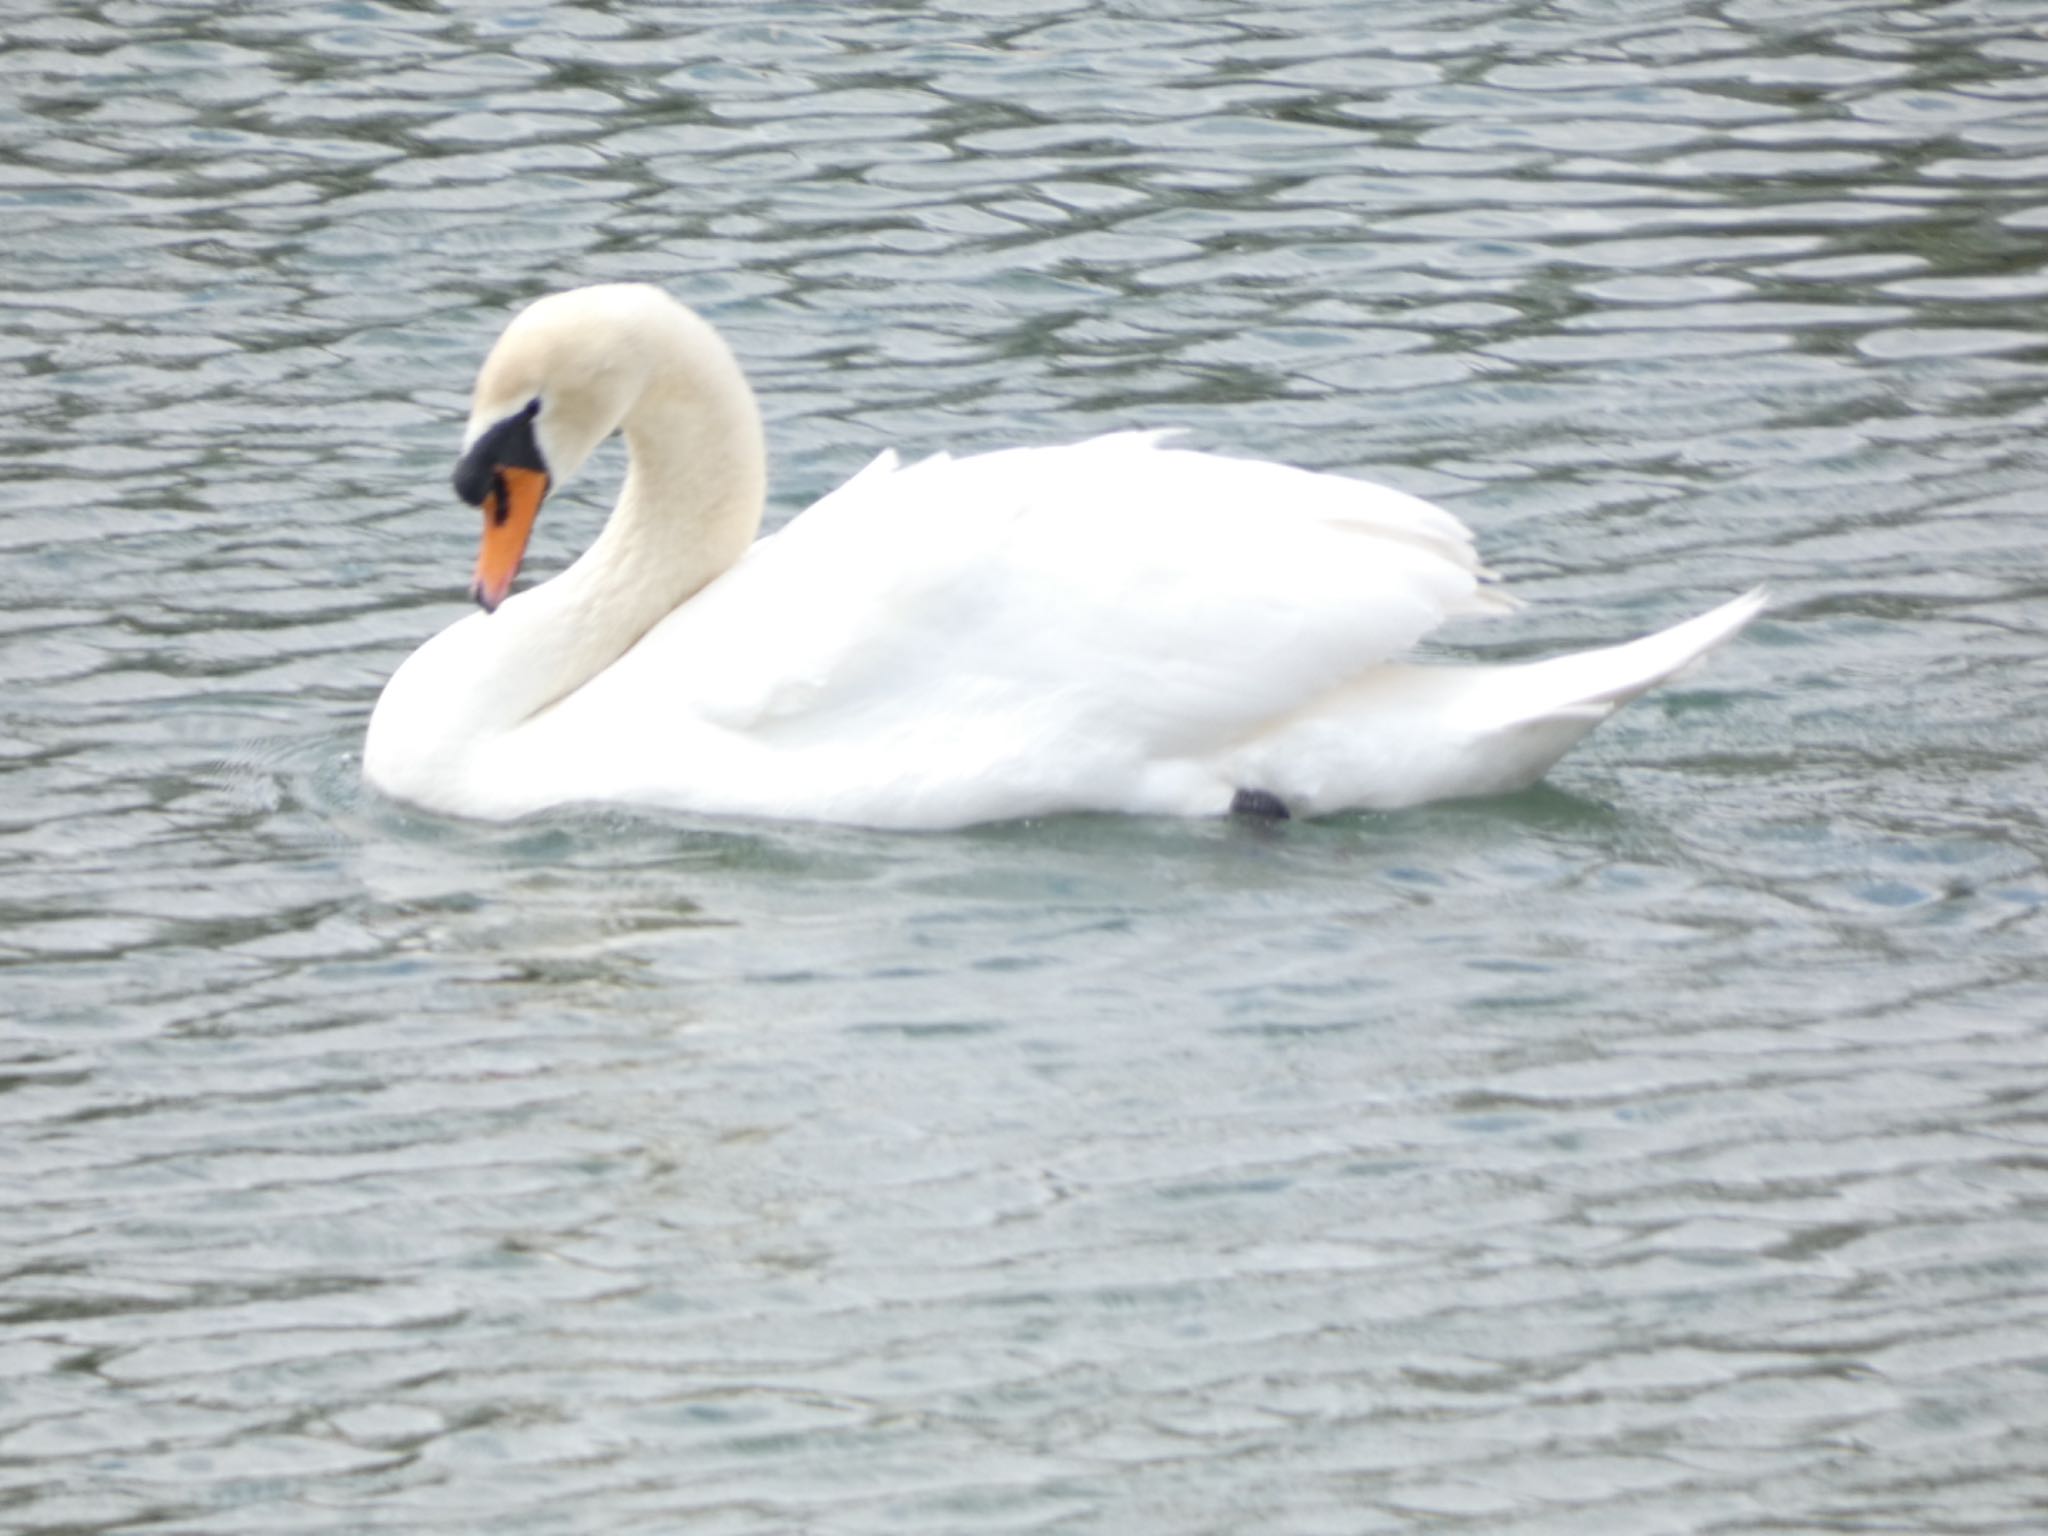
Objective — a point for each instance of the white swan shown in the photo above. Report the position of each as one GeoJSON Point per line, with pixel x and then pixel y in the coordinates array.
{"type": "Point", "coordinates": [1112, 626]}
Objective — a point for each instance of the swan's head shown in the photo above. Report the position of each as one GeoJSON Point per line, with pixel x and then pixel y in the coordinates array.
{"type": "Point", "coordinates": [559, 382]}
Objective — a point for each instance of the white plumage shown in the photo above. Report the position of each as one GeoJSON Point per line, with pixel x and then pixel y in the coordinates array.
{"type": "Point", "coordinates": [1116, 625]}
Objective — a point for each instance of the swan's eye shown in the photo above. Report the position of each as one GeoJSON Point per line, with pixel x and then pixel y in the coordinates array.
{"type": "Point", "coordinates": [507, 444]}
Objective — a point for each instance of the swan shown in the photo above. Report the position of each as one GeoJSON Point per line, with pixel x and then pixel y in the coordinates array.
{"type": "Point", "coordinates": [1116, 625]}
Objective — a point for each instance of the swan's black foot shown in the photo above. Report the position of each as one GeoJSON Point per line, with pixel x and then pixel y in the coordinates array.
{"type": "Point", "coordinates": [1258, 802]}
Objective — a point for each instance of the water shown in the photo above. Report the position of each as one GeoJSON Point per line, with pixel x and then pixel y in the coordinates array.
{"type": "Point", "coordinates": [1657, 1151]}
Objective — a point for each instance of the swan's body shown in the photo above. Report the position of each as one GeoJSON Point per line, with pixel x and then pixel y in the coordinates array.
{"type": "Point", "coordinates": [1112, 626]}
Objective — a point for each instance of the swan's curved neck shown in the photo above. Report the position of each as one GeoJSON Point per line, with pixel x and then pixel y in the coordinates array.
{"type": "Point", "coordinates": [691, 504]}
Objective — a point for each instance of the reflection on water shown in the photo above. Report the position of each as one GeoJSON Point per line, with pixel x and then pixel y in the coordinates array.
{"type": "Point", "coordinates": [1657, 1150]}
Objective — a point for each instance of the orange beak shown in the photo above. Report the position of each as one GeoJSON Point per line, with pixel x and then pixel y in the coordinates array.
{"type": "Point", "coordinates": [510, 507]}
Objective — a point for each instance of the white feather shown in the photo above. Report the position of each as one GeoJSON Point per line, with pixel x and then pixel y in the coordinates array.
{"type": "Point", "coordinates": [1116, 625]}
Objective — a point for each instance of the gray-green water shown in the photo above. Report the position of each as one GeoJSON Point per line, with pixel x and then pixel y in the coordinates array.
{"type": "Point", "coordinates": [1662, 1151]}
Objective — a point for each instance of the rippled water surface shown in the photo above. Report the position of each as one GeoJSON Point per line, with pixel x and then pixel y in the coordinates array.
{"type": "Point", "coordinates": [1659, 1151]}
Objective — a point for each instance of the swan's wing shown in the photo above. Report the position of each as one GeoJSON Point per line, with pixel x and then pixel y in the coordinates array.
{"type": "Point", "coordinates": [1115, 595]}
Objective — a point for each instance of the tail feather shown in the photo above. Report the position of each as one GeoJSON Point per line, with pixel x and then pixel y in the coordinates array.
{"type": "Point", "coordinates": [1405, 734]}
{"type": "Point", "coordinates": [1592, 684]}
